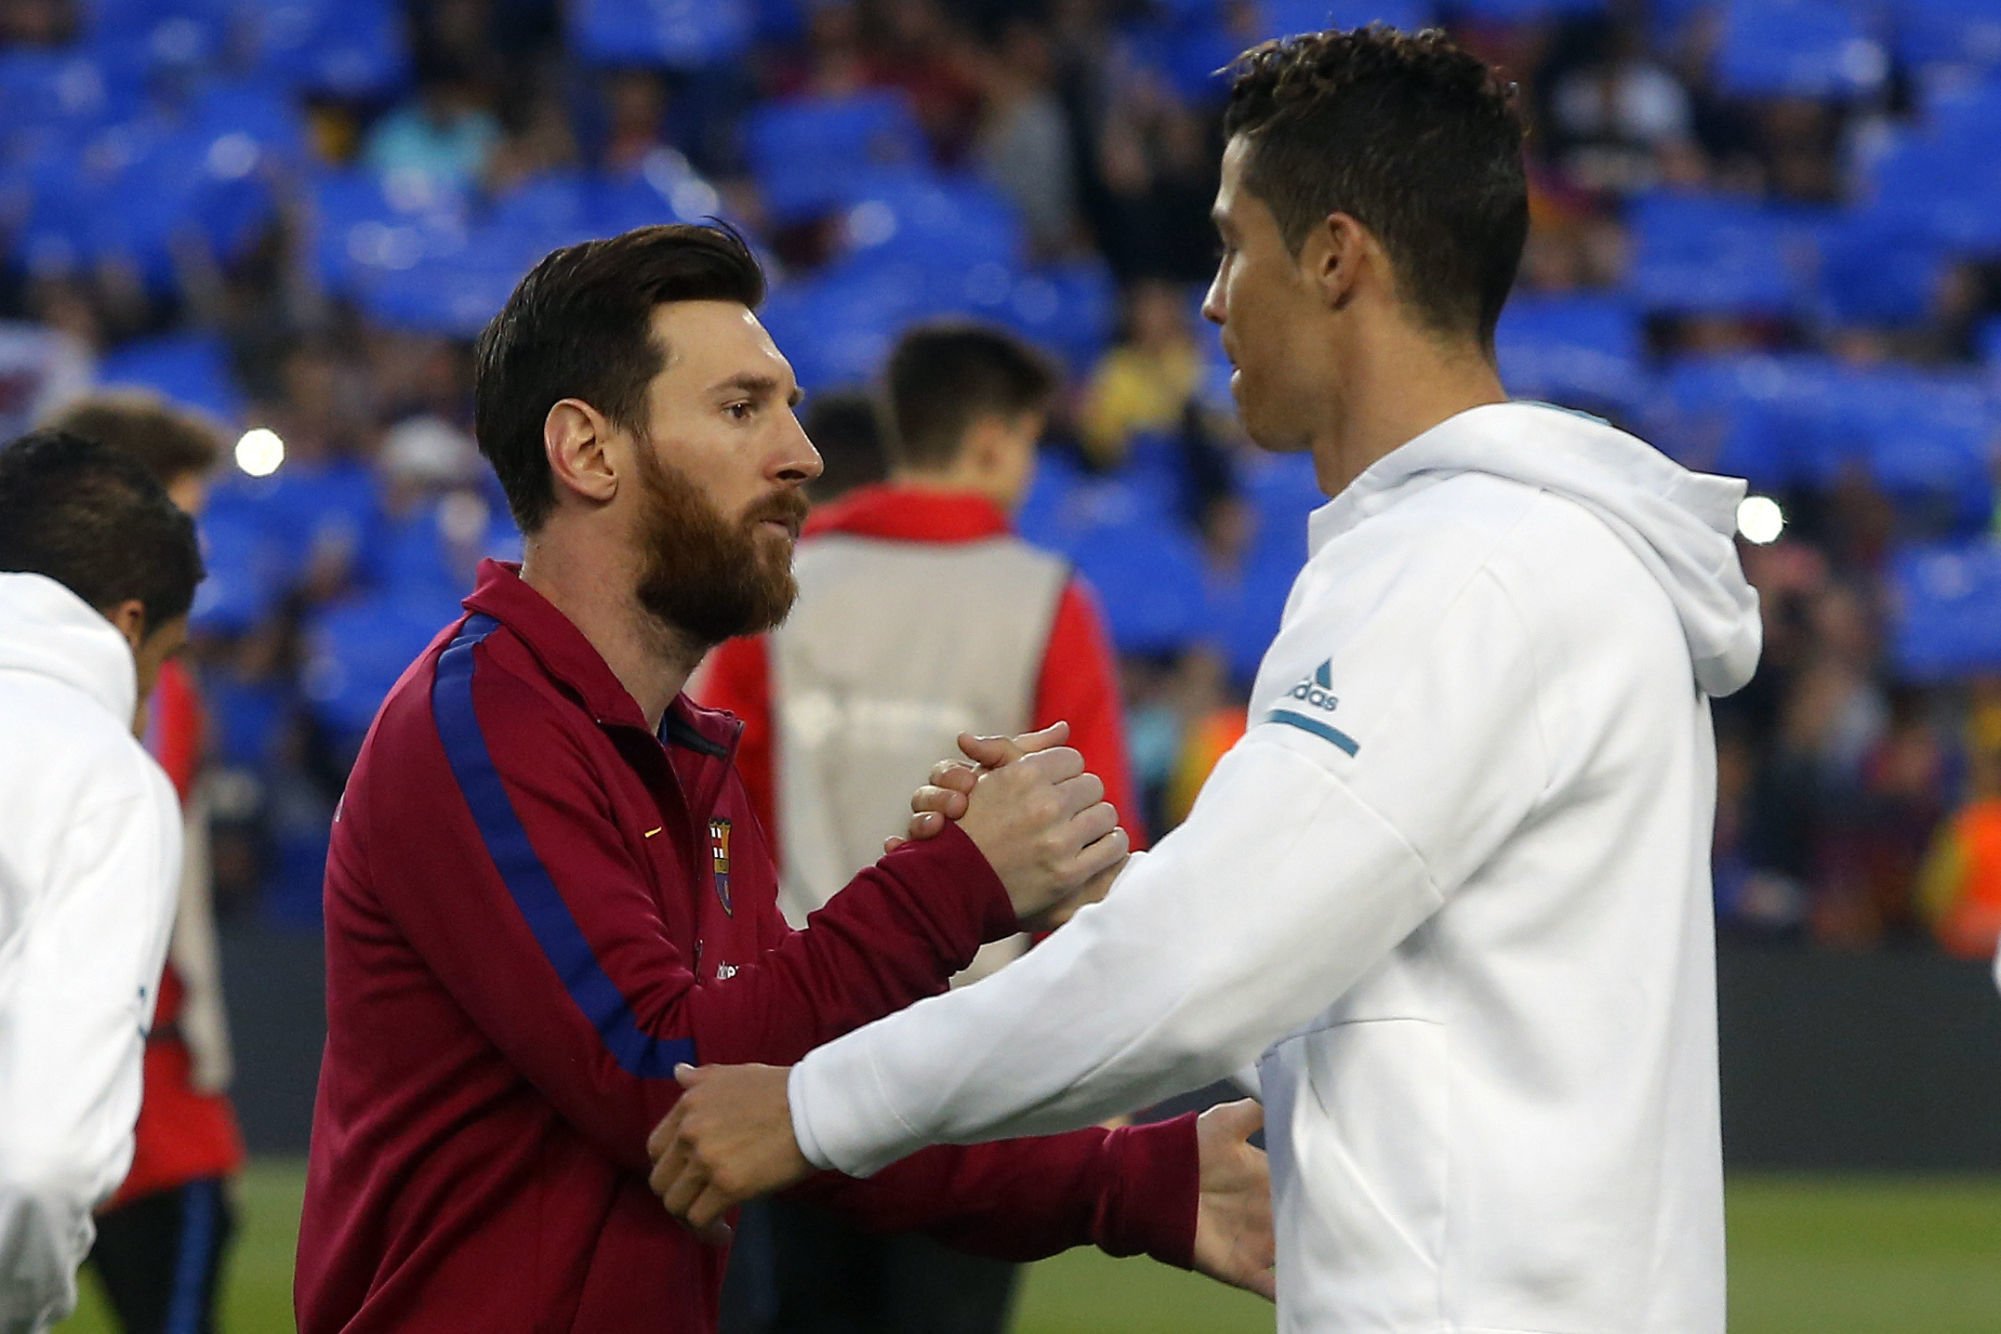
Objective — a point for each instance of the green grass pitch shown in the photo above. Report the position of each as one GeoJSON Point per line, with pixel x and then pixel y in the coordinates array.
{"type": "Point", "coordinates": [1808, 1255]}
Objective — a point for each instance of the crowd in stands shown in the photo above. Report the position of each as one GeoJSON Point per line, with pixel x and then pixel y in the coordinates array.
{"type": "Point", "coordinates": [1767, 236]}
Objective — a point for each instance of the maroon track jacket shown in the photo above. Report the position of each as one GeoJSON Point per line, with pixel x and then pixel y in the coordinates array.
{"type": "Point", "coordinates": [535, 908]}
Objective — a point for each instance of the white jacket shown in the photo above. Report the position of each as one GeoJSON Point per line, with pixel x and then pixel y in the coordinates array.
{"type": "Point", "coordinates": [1451, 891]}
{"type": "Point", "coordinates": [90, 852]}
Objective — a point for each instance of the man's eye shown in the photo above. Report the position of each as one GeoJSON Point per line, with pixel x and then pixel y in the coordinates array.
{"type": "Point", "coordinates": [740, 411]}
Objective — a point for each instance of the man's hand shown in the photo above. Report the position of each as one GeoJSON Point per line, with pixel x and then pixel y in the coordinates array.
{"type": "Point", "coordinates": [728, 1140]}
{"type": "Point", "coordinates": [1037, 817]}
{"type": "Point", "coordinates": [945, 797]}
{"type": "Point", "coordinates": [1233, 1232]}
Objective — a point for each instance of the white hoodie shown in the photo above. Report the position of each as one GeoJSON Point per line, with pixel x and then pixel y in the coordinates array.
{"type": "Point", "coordinates": [1451, 891]}
{"type": "Point", "coordinates": [90, 850]}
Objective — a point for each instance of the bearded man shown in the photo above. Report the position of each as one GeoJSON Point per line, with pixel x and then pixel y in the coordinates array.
{"type": "Point", "coordinates": [546, 890]}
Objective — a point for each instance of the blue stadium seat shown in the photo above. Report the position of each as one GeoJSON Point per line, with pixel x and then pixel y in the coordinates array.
{"type": "Point", "coordinates": [1946, 612]}
{"type": "Point", "coordinates": [1879, 268]}
{"type": "Point", "coordinates": [1941, 183]}
{"type": "Point", "coordinates": [1150, 577]}
{"type": "Point", "coordinates": [348, 49]}
{"type": "Point", "coordinates": [837, 328]}
{"type": "Point", "coordinates": [951, 224]}
{"type": "Point", "coordinates": [1040, 517]}
{"type": "Point", "coordinates": [810, 155]}
{"type": "Point", "coordinates": [1799, 48]}
{"type": "Point", "coordinates": [357, 648]}
{"type": "Point", "coordinates": [189, 368]}
{"type": "Point", "coordinates": [367, 231]}
{"type": "Point", "coordinates": [1737, 415]}
{"type": "Point", "coordinates": [1716, 253]}
{"type": "Point", "coordinates": [247, 567]}
{"type": "Point", "coordinates": [677, 34]}
{"type": "Point", "coordinates": [1523, 11]}
{"type": "Point", "coordinates": [1069, 309]}
{"type": "Point", "coordinates": [1947, 32]}
{"type": "Point", "coordinates": [1576, 349]}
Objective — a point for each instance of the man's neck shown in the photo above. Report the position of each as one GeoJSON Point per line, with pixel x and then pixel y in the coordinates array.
{"type": "Point", "coordinates": [652, 661]}
{"type": "Point", "coordinates": [1401, 388]}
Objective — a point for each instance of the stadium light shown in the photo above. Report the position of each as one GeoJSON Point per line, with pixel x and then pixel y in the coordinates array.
{"type": "Point", "coordinates": [1760, 519]}
{"type": "Point", "coordinates": [260, 452]}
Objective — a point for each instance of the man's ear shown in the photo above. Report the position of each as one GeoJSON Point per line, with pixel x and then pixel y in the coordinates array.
{"type": "Point", "coordinates": [1335, 256]}
{"type": "Point", "coordinates": [129, 618]}
{"type": "Point", "coordinates": [576, 440]}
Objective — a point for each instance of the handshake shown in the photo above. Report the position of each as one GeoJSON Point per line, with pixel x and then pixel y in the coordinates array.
{"type": "Point", "coordinates": [1040, 820]}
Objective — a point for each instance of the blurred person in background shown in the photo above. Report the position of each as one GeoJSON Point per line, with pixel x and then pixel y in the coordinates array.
{"type": "Point", "coordinates": [97, 573]}
{"type": "Point", "coordinates": [1147, 381]}
{"type": "Point", "coordinates": [848, 703]}
{"type": "Point", "coordinates": [1959, 891]}
{"type": "Point", "coordinates": [162, 1237]}
{"type": "Point", "coordinates": [846, 427]}
{"type": "Point", "coordinates": [446, 137]}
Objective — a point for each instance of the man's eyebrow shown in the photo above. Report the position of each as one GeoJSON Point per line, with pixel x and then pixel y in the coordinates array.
{"type": "Point", "coordinates": [762, 386]}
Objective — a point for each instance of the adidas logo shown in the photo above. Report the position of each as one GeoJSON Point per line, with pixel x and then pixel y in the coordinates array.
{"type": "Point", "coordinates": [1318, 689]}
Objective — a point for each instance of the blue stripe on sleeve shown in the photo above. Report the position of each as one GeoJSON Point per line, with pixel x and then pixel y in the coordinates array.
{"type": "Point", "coordinates": [527, 879]}
{"type": "Point", "coordinates": [1315, 726]}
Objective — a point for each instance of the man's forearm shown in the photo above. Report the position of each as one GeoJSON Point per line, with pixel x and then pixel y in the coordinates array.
{"type": "Point", "coordinates": [1223, 940]}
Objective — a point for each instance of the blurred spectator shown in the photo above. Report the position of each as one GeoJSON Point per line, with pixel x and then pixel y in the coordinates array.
{"type": "Point", "coordinates": [636, 114]}
{"type": "Point", "coordinates": [1621, 122]}
{"type": "Point", "coordinates": [1024, 142]}
{"type": "Point", "coordinates": [1148, 378]}
{"type": "Point", "coordinates": [447, 136]}
{"type": "Point", "coordinates": [1960, 891]}
{"type": "Point", "coordinates": [38, 22]}
{"type": "Point", "coordinates": [847, 429]}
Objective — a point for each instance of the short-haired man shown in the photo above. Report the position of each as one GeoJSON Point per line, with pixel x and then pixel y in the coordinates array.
{"type": "Point", "coordinates": [547, 890]}
{"type": "Point", "coordinates": [871, 678]}
{"type": "Point", "coordinates": [162, 1237]}
{"type": "Point", "coordinates": [1451, 890]}
{"type": "Point", "coordinates": [97, 572]}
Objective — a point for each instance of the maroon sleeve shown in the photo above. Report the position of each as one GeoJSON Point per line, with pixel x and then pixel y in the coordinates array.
{"type": "Point", "coordinates": [1079, 681]}
{"type": "Point", "coordinates": [1129, 1192]}
{"type": "Point", "coordinates": [518, 890]}
{"type": "Point", "coordinates": [737, 677]}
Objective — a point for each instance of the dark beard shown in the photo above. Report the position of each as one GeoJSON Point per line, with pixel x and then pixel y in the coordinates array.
{"type": "Point", "coordinates": [703, 575]}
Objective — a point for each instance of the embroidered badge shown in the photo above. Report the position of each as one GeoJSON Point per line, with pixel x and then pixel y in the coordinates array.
{"type": "Point", "coordinates": [719, 852]}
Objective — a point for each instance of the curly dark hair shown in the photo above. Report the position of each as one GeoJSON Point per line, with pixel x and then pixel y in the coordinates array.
{"type": "Point", "coordinates": [580, 326]}
{"type": "Point", "coordinates": [1410, 135]}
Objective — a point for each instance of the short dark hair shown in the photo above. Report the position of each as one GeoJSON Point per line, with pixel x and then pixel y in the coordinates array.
{"type": "Point", "coordinates": [96, 522]}
{"type": "Point", "coordinates": [946, 375]}
{"type": "Point", "coordinates": [171, 442]}
{"type": "Point", "coordinates": [579, 326]}
{"type": "Point", "coordinates": [1415, 138]}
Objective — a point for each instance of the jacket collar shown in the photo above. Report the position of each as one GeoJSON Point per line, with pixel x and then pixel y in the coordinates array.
{"type": "Point", "coordinates": [570, 659]}
{"type": "Point", "coordinates": [909, 514]}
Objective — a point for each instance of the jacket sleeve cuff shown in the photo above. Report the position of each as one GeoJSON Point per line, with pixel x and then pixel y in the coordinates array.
{"type": "Point", "coordinates": [842, 1117]}
{"type": "Point", "coordinates": [1147, 1203]}
{"type": "Point", "coordinates": [951, 869]}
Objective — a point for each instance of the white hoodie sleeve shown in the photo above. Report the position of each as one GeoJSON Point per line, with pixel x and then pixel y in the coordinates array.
{"type": "Point", "coordinates": [72, 1039]}
{"type": "Point", "coordinates": [1311, 853]}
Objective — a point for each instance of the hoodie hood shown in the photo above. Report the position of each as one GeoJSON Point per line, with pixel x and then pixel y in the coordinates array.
{"type": "Point", "coordinates": [1681, 525]}
{"type": "Point", "coordinates": [49, 631]}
